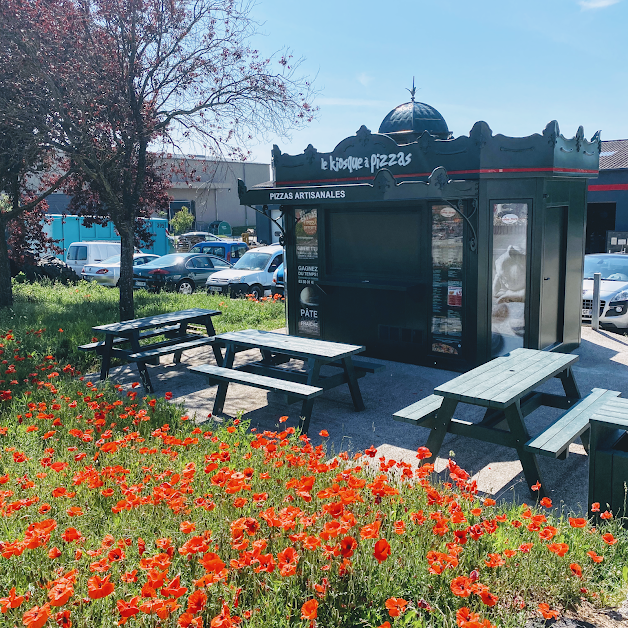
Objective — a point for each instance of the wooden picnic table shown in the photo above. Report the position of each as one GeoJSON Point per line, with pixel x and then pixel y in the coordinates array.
{"type": "Point", "coordinates": [506, 387]}
{"type": "Point", "coordinates": [173, 326]}
{"type": "Point", "coordinates": [271, 373]}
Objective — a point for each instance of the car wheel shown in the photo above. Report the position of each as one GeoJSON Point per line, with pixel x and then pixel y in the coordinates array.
{"type": "Point", "coordinates": [257, 292]}
{"type": "Point", "coordinates": [185, 287]}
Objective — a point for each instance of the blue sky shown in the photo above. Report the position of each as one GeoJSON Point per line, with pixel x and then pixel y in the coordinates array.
{"type": "Point", "coordinates": [515, 65]}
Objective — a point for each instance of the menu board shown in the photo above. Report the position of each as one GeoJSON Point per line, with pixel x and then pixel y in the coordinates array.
{"type": "Point", "coordinates": [306, 231]}
{"type": "Point", "coordinates": [447, 248]}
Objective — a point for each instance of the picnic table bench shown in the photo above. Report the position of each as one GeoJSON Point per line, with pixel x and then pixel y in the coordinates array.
{"type": "Point", "coordinates": [173, 326]}
{"type": "Point", "coordinates": [506, 387]}
{"type": "Point", "coordinates": [271, 372]}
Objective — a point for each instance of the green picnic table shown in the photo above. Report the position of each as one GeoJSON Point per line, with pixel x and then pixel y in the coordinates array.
{"type": "Point", "coordinates": [507, 388]}
{"type": "Point", "coordinates": [274, 373]}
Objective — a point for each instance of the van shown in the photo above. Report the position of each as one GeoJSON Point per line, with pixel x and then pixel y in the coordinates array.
{"type": "Point", "coordinates": [81, 253]}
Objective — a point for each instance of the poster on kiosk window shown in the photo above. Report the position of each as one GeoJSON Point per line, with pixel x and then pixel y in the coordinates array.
{"type": "Point", "coordinates": [307, 271]}
{"type": "Point", "coordinates": [447, 248]}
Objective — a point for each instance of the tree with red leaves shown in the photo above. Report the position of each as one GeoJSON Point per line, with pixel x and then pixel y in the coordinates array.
{"type": "Point", "coordinates": [29, 170]}
{"type": "Point", "coordinates": [126, 75]}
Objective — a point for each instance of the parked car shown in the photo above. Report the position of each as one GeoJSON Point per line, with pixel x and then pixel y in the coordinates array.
{"type": "Point", "coordinates": [182, 272]}
{"type": "Point", "coordinates": [613, 268]}
{"type": "Point", "coordinates": [107, 272]}
{"type": "Point", "coordinates": [278, 281]}
{"type": "Point", "coordinates": [80, 254]}
{"type": "Point", "coordinates": [187, 240]}
{"type": "Point", "coordinates": [231, 250]}
{"type": "Point", "coordinates": [251, 274]}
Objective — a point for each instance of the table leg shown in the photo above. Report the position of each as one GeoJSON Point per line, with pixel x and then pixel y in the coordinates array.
{"type": "Point", "coordinates": [572, 392]}
{"type": "Point", "coordinates": [141, 366]}
{"type": "Point", "coordinates": [211, 331]}
{"type": "Point", "coordinates": [517, 427]}
{"type": "Point", "coordinates": [352, 381]}
{"type": "Point", "coordinates": [106, 357]}
{"type": "Point", "coordinates": [437, 435]}
{"type": "Point", "coordinates": [221, 394]}
{"type": "Point", "coordinates": [313, 372]}
{"type": "Point", "coordinates": [183, 327]}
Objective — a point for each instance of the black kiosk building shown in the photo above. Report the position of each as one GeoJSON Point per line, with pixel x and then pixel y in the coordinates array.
{"type": "Point", "coordinates": [432, 250]}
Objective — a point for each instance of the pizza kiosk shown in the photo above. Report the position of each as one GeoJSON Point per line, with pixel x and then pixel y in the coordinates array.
{"type": "Point", "coordinates": [435, 250]}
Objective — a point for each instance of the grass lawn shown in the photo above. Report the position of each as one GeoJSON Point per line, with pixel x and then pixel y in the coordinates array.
{"type": "Point", "coordinates": [77, 308]}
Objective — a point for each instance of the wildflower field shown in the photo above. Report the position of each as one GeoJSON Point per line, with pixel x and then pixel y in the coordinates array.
{"type": "Point", "coordinates": [116, 509]}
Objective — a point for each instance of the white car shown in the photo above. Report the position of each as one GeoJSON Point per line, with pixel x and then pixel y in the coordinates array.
{"type": "Point", "coordinates": [251, 274]}
{"type": "Point", "coordinates": [107, 272]}
{"type": "Point", "coordinates": [613, 268]}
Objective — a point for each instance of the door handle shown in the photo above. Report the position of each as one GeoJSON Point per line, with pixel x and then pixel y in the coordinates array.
{"type": "Point", "coordinates": [545, 278]}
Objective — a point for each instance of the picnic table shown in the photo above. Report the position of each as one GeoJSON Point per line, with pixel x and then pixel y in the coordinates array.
{"type": "Point", "coordinates": [173, 326]}
{"type": "Point", "coordinates": [273, 371]}
{"type": "Point", "coordinates": [506, 387]}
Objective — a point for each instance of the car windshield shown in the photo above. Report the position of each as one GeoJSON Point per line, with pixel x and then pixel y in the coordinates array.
{"type": "Point", "coordinates": [611, 267]}
{"type": "Point", "coordinates": [114, 259]}
{"type": "Point", "coordinates": [165, 260]}
{"type": "Point", "coordinates": [252, 261]}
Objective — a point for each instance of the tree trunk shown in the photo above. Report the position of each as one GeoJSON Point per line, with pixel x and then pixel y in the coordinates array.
{"type": "Point", "coordinates": [6, 291]}
{"type": "Point", "coordinates": [127, 232]}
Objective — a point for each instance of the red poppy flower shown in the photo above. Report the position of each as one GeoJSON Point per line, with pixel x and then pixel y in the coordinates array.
{"type": "Point", "coordinates": [324, 433]}
{"type": "Point", "coordinates": [558, 548]}
{"type": "Point", "coordinates": [464, 615]}
{"type": "Point", "coordinates": [461, 586]}
{"type": "Point", "coordinates": [606, 515]}
{"type": "Point", "coordinates": [396, 606]}
{"type": "Point", "coordinates": [12, 601]}
{"type": "Point", "coordinates": [98, 588]}
{"type": "Point", "coordinates": [347, 546]}
{"type": "Point", "coordinates": [576, 569]}
{"type": "Point", "coordinates": [309, 610]}
{"type": "Point", "coordinates": [37, 616]}
{"type": "Point", "coordinates": [423, 452]}
{"type": "Point", "coordinates": [196, 602]}
{"type": "Point", "coordinates": [609, 539]}
{"type": "Point", "coordinates": [60, 593]}
{"type": "Point", "coordinates": [595, 507]}
{"type": "Point", "coordinates": [547, 502]}
{"type": "Point", "coordinates": [187, 527]}
{"type": "Point", "coordinates": [594, 557]}
{"type": "Point", "coordinates": [536, 487]}
{"type": "Point", "coordinates": [381, 551]}
{"type": "Point", "coordinates": [63, 619]}
{"type": "Point", "coordinates": [370, 531]}
{"type": "Point", "coordinates": [546, 612]}
{"type": "Point", "coordinates": [168, 396]}
{"type": "Point", "coordinates": [577, 522]}
{"type": "Point", "coordinates": [487, 597]}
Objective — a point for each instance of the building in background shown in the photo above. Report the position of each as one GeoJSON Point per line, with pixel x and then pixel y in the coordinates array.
{"type": "Point", "coordinates": [607, 203]}
{"type": "Point", "coordinates": [208, 189]}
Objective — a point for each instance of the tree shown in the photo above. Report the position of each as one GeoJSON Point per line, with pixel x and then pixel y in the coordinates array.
{"type": "Point", "coordinates": [29, 168]}
{"type": "Point", "coordinates": [182, 221]}
{"type": "Point", "coordinates": [131, 73]}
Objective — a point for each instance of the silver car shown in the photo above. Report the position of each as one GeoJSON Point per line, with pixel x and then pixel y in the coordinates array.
{"type": "Point", "coordinates": [107, 272]}
{"type": "Point", "coordinates": [613, 268]}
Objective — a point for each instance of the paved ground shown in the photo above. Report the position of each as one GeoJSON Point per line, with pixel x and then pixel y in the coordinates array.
{"type": "Point", "coordinates": [603, 363]}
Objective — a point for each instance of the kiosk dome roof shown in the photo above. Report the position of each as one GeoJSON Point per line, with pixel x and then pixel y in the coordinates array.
{"type": "Point", "coordinates": [412, 119]}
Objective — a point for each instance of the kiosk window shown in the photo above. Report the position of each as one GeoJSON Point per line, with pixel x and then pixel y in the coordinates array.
{"type": "Point", "coordinates": [510, 229]}
{"type": "Point", "coordinates": [377, 243]}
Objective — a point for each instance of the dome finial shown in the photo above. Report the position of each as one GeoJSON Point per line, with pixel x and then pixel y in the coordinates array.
{"type": "Point", "coordinates": [412, 91]}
